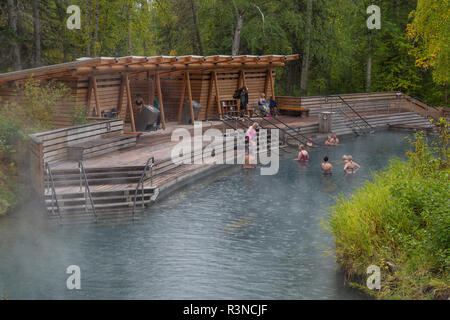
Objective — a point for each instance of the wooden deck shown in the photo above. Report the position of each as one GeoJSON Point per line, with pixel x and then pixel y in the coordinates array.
{"type": "Point", "coordinates": [158, 144]}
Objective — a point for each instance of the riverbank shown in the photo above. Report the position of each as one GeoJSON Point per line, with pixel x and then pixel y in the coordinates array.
{"type": "Point", "coordinates": [400, 222]}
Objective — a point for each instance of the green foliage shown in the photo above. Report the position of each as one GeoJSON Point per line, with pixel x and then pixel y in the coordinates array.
{"type": "Point", "coordinates": [31, 111]}
{"type": "Point", "coordinates": [402, 219]}
{"type": "Point", "coordinates": [78, 115]}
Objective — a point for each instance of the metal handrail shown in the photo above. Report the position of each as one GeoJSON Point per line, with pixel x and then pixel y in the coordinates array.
{"type": "Point", "coordinates": [52, 187]}
{"type": "Point", "coordinates": [283, 130]}
{"type": "Point", "coordinates": [235, 120]}
{"type": "Point", "coordinates": [354, 111]}
{"type": "Point", "coordinates": [87, 190]}
{"type": "Point", "coordinates": [141, 182]}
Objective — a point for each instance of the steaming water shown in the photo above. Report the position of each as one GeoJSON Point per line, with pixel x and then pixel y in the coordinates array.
{"type": "Point", "coordinates": [234, 235]}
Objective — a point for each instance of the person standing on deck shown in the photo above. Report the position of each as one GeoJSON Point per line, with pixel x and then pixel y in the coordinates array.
{"type": "Point", "coordinates": [250, 135]}
{"type": "Point", "coordinates": [139, 102]}
{"type": "Point", "coordinates": [327, 168]}
{"type": "Point", "coordinates": [243, 96]}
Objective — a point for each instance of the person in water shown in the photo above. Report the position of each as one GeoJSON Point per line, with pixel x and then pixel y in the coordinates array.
{"type": "Point", "coordinates": [327, 168]}
{"type": "Point", "coordinates": [351, 167]}
{"type": "Point", "coordinates": [345, 158]}
{"type": "Point", "coordinates": [303, 155]}
{"type": "Point", "coordinates": [329, 141]}
{"type": "Point", "coordinates": [334, 139]}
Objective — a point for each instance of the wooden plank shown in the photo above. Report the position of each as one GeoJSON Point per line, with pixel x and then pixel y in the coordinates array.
{"type": "Point", "coordinates": [180, 108]}
{"type": "Point", "coordinates": [160, 97]}
{"type": "Point", "coordinates": [151, 89]}
{"type": "Point", "coordinates": [130, 105]}
{"type": "Point", "coordinates": [191, 108]}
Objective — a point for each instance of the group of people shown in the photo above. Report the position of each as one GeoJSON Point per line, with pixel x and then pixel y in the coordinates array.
{"type": "Point", "coordinates": [350, 166]}
{"type": "Point", "coordinates": [268, 108]}
{"type": "Point", "coordinates": [332, 140]}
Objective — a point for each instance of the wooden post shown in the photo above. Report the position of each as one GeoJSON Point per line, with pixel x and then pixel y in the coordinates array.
{"type": "Point", "coordinates": [266, 83]}
{"type": "Point", "coordinates": [188, 83]}
{"type": "Point", "coordinates": [183, 92]}
{"type": "Point", "coordinates": [120, 102]}
{"type": "Point", "coordinates": [97, 102]}
{"type": "Point", "coordinates": [272, 84]}
{"type": "Point", "coordinates": [130, 105]}
{"type": "Point", "coordinates": [161, 105]}
{"type": "Point", "coordinates": [244, 83]}
{"type": "Point", "coordinates": [151, 89]}
{"type": "Point", "coordinates": [216, 83]}
{"type": "Point", "coordinates": [89, 93]}
{"type": "Point", "coordinates": [211, 82]}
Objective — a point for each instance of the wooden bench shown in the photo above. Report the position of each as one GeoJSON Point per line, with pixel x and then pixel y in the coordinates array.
{"type": "Point", "coordinates": [104, 144]}
{"type": "Point", "coordinates": [292, 104]}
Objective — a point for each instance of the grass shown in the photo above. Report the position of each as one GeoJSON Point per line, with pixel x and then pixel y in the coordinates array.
{"type": "Point", "coordinates": [400, 222]}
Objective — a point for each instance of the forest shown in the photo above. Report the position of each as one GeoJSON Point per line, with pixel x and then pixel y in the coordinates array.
{"type": "Point", "coordinates": [338, 53]}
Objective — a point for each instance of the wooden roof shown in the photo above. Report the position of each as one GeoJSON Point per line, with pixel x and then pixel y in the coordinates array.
{"type": "Point", "coordinates": [103, 65]}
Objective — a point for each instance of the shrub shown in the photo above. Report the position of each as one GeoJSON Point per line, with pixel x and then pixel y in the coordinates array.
{"type": "Point", "coordinates": [400, 222]}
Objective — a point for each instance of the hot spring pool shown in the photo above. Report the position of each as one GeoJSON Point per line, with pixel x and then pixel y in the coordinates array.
{"type": "Point", "coordinates": [232, 235]}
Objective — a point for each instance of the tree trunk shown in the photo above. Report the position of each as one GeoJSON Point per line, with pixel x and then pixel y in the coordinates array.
{"type": "Point", "coordinates": [12, 21]}
{"type": "Point", "coordinates": [199, 50]}
{"type": "Point", "coordinates": [37, 33]}
{"type": "Point", "coordinates": [369, 66]}
{"type": "Point", "coordinates": [237, 34]}
{"type": "Point", "coordinates": [306, 50]}
{"type": "Point", "coordinates": [130, 31]}
{"type": "Point", "coordinates": [87, 18]}
{"type": "Point", "coordinates": [97, 14]}
{"type": "Point", "coordinates": [446, 94]}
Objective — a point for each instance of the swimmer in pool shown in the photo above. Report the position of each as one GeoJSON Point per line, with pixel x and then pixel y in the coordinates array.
{"type": "Point", "coordinates": [303, 155]}
{"type": "Point", "coordinates": [327, 168]}
{"type": "Point", "coordinates": [351, 167]}
{"type": "Point", "coordinates": [329, 141]}
{"type": "Point", "coordinates": [345, 158]}
{"type": "Point", "coordinates": [334, 140]}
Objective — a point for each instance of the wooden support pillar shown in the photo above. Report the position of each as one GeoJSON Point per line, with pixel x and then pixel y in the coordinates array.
{"type": "Point", "coordinates": [130, 104]}
{"type": "Point", "coordinates": [151, 89]}
{"type": "Point", "coordinates": [216, 84]}
{"type": "Point", "coordinates": [183, 92]}
{"type": "Point", "coordinates": [89, 93]}
{"type": "Point", "coordinates": [97, 102]}
{"type": "Point", "coordinates": [266, 83]}
{"type": "Point", "coordinates": [210, 89]}
{"type": "Point", "coordinates": [272, 84]}
{"type": "Point", "coordinates": [191, 108]}
{"type": "Point", "coordinates": [244, 83]}
{"type": "Point", "coordinates": [160, 98]}
{"type": "Point", "coordinates": [120, 101]}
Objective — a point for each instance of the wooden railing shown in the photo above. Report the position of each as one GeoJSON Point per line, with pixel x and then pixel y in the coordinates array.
{"type": "Point", "coordinates": [392, 100]}
{"type": "Point", "coordinates": [51, 146]}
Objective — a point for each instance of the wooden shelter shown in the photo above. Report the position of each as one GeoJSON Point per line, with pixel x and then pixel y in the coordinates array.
{"type": "Point", "coordinates": [113, 83]}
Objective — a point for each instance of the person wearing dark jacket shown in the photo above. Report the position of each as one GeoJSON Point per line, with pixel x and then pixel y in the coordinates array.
{"type": "Point", "coordinates": [244, 99]}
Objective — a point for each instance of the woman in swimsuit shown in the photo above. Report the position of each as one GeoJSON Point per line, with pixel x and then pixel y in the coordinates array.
{"type": "Point", "coordinates": [327, 168]}
{"type": "Point", "coordinates": [303, 155]}
{"type": "Point", "coordinates": [262, 105]}
{"type": "Point", "coordinates": [351, 167]}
